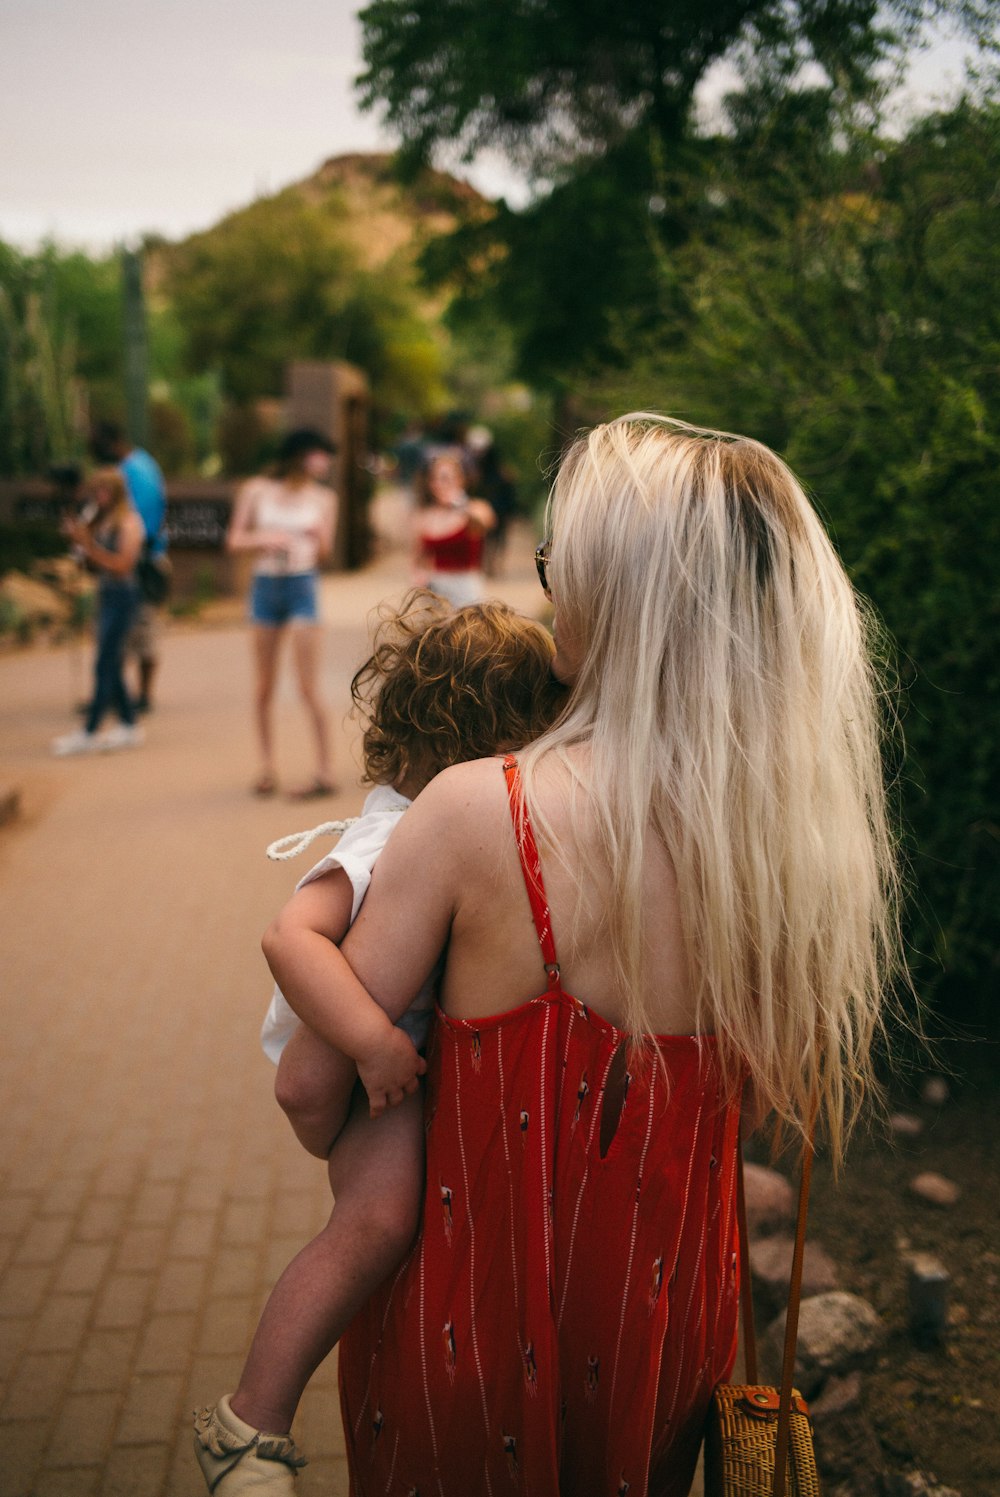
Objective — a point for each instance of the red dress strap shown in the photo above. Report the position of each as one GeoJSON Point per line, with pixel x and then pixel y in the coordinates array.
{"type": "Point", "coordinates": [531, 867]}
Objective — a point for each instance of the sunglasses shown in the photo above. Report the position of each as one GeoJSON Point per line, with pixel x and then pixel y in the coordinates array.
{"type": "Point", "coordinates": [542, 567]}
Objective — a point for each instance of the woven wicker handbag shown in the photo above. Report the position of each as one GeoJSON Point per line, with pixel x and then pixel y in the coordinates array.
{"type": "Point", "coordinates": [759, 1439]}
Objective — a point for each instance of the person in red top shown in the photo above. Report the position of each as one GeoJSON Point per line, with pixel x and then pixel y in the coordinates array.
{"type": "Point", "coordinates": [674, 903]}
{"type": "Point", "coordinates": [448, 535]}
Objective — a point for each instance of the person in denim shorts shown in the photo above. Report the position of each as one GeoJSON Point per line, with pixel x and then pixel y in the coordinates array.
{"type": "Point", "coordinates": [286, 518]}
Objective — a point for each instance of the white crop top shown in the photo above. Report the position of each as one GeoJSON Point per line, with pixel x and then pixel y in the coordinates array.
{"type": "Point", "coordinates": [300, 513]}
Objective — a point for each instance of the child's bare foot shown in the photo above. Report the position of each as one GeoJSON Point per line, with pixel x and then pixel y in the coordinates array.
{"type": "Point", "coordinates": [236, 1459]}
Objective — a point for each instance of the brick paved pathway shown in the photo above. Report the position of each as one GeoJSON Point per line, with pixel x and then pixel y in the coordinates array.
{"type": "Point", "coordinates": [150, 1191]}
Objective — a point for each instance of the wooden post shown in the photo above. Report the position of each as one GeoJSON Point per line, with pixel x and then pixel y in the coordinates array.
{"type": "Point", "coordinates": [928, 1282]}
{"type": "Point", "coordinates": [136, 353]}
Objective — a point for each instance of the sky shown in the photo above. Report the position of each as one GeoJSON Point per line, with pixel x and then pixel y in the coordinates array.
{"type": "Point", "coordinates": [122, 117]}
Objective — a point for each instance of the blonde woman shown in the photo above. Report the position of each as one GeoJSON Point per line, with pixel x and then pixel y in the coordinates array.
{"type": "Point", "coordinates": [683, 884]}
{"type": "Point", "coordinates": [108, 538]}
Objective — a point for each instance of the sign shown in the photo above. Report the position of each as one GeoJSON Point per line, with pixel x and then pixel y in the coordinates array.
{"type": "Point", "coordinates": [198, 524]}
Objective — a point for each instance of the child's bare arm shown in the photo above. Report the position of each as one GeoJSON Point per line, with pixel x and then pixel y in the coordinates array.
{"type": "Point", "coordinates": [323, 991]}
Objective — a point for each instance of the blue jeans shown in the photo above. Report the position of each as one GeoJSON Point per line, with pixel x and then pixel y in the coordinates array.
{"type": "Point", "coordinates": [116, 606]}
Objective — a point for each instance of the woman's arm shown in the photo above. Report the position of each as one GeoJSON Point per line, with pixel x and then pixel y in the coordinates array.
{"type": "Point", "coordinates": [320, 987]}
{"type": "Point", "coordinates": [120, 563]}
{"type": "Point", "coordinates": [403, 926]}
{"type": "Point", "coordinates": [324, 533]}
{"type": "Point", "coordinates": [482, 516]}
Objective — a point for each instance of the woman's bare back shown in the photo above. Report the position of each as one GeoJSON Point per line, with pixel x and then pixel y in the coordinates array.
{"type": "Point", "coordinates": [450, 881]}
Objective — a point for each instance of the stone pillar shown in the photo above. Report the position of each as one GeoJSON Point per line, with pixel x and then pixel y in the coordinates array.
{"type": "Point", "coordinates": [333, 398]}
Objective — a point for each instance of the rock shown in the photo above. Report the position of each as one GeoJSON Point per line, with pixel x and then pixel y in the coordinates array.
{"type": "Point", "coordinates": [33, 600]}
{"type": "Point", "coordinates": [935, 1189]}
{"type": "Point", "coordinates": [848, 1454]}
{"type": "Point", "coordinates": [935, 1091]}
{"type": "Point", "coordinates": [905, 1125]}
{"type": "Point", "coordinates": [771, 1266]}
{"type": "Point", "coordinates": [62, 571]}
{"type": "Point", "coordinates": [837, 1333]}
{"type": "Point", "coordinates": [919, 1484]}
{"type": "Point", "coordinates": [839, 1394]}
{"type": "Point", "coordinates": [770, 1200]}
{"type": "Point", "coordinates": [54, 566]}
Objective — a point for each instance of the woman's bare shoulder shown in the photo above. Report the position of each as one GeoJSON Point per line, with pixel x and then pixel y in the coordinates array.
{"type": "Point", "coordinates": [451, 807]}
{"type": "Point", "coordinates": [456, 791]}
{"type": "Point", "coordinates": [438, 845]}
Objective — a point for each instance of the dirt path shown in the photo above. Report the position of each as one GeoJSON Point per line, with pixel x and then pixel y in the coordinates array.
{"type": "Point", "coordinates": [149, 1189]}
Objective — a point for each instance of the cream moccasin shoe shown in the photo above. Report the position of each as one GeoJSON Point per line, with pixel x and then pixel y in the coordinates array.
{"type": "Point", "coordinates": [236, 1458]}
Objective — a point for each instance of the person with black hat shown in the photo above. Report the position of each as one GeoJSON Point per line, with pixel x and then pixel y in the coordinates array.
{"type": "Point", "coordinates": [286, 518]}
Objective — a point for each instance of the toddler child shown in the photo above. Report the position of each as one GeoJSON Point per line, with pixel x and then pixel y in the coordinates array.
{"type": "Point", "coordinates": [441, 687]}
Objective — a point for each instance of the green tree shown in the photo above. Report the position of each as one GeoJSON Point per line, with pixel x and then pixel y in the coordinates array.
{"type": "Point", "coordinates": [550, 82]}
{"type": "Point", "coordinates": [60, 352]}
{"type": "Point", "coordinates": [277, 282]}
{"type": "Point", "coordinates": [264, 286]}
{"type": "Point", "coordinates": [596, 104]}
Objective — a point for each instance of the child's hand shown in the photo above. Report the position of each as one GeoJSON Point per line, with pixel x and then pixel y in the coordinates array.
{"type": "Point", "coordinates": [390, 1073]}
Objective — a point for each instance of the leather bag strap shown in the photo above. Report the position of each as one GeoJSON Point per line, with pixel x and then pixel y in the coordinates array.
{"type": "Point", "coordinates": [791, 1314]}
{"type": "Point", "coordinates": [746, 1297]}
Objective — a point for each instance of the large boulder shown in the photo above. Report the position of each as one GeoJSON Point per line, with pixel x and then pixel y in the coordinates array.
{"type": "Point", "coordinates": [770, 1200]}
{"type": "Point", "coordinates": [771, 1267]}
{"type": "Point", "coordinates": [837, 1333]}
{"type": "Point", "coordinates": [64, 574]}
{"type": "Point", "coordinates": [33, 601]}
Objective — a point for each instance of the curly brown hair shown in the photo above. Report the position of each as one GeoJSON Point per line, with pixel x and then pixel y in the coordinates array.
{"type": "Point", "coordinates": [444, 686]}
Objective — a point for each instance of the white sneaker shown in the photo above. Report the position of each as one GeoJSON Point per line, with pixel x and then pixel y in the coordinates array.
{"type": "Point", "coordinates": [123, 736]}
{"type": "Point", "coordinates": [77, 742]}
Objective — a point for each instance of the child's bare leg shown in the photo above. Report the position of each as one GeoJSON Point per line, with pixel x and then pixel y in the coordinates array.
{"type": "Point", "coordinates": [314, 1086]}
{"type": "Point", "coordinates": [377, 1177]}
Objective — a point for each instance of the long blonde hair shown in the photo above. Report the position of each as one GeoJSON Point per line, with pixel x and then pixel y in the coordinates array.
{"type": "Point", "coordinates": [727, 692]}
{"type": "Point", "coordinates": [112, 481]}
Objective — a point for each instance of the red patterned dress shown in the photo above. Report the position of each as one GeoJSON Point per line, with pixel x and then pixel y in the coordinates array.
{"type": "Point", "coordinates": [566, 1310]}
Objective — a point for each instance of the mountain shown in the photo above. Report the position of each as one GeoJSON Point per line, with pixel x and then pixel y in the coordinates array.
{"type": "Point", "coordinates": [379, 218]}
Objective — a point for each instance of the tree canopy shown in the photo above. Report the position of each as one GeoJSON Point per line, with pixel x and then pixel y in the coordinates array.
{"type": "Point", "coordinates": [278, 280]}
{"type": "Point", "coordinates": [597, 104]}
{"type": "Point", "coordinates": [551, 81]}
